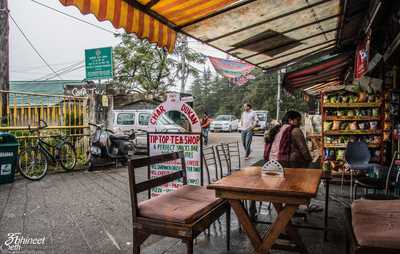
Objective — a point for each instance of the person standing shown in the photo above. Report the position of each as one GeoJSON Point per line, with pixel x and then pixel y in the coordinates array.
{"type": "Point", "coordinates": [205, 127]}
{"type": "Point", "coordinates": [248, 122]}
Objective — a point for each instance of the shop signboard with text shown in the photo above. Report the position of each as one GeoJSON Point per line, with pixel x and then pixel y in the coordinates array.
{"type": "Point", "coordinates": [167, 142]}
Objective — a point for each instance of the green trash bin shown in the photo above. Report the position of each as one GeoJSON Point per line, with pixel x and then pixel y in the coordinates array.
{"type": "Point", "coordinates": [8, 157]}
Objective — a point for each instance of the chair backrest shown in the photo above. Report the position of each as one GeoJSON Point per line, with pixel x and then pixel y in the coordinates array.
{"type": "Point", "coordinates": [210, 163]}
{"type": "Point", "coordinates": [136, 188]}
{"type": "Point", "coordinates": [234, 154]}
{"type": "Point", "coordinates": [223, 158]}
{"type": "Point", "coordinates": [393, 175]}
{"type": "Point", "coordinates": [357, 153]}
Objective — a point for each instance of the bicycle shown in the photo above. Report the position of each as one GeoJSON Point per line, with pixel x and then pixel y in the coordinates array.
{"type": "Point", "coordinates": [33, 160]}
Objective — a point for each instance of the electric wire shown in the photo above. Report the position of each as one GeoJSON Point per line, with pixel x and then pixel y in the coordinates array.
{"type": "Point", "coordinates": [73, 17]}
{"type": "Point", "coordinates": [33, 47]}
{"type": "Point", "coordinates": [60, 71]}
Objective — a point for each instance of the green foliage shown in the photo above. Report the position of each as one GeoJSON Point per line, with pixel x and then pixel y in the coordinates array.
{"type": "Point", "coordinates": [145, 68]}
{"type": "Point", "coordinates": [141, 66]}
{"type": "Point", "coordinates": [219, 96]}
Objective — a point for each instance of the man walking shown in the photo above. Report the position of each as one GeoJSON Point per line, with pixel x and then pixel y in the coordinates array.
{"type": "Point", "coordinates": [248, 122]}
{"type": "Point", "coordinates": [205, 126]}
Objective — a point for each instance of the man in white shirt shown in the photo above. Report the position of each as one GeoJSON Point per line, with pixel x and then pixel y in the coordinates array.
{"type": "Point", "coordinates": [248, 122]}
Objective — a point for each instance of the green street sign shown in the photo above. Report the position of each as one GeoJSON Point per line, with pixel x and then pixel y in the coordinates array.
{"type": "Point", "coordinates": [99, 63]}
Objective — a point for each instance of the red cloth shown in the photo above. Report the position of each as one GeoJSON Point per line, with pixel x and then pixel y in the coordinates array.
{"type": "Point", "coordinates": [282, 139]}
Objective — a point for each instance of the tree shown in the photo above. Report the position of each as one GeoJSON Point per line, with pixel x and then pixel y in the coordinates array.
{"type": "Point", "coordinates": [185, 58]}
{"type": "Point", "coordinates": [142, 66]}
{"type": "Point", "coordinates": [219, 96]}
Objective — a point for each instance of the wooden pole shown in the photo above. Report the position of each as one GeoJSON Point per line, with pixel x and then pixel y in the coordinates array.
{"type": "Point", "coordinates": [4, 58]}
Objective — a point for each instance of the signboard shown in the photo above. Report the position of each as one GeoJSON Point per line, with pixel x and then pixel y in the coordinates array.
{"type": "Point", "coordinates": [190, 144]}
{"type": "Point", "coordinates": [362, 57]}
{"type": "Point", "coordinates": [99, 63]}
{"type": "Point", "coordinates": [173, 103]}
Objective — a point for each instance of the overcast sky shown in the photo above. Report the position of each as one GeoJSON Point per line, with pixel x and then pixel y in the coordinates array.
{"type": "Point", "coordinates": [61, 40]}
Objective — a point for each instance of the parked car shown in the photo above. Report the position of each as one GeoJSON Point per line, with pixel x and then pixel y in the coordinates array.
{"type": "Point", "coordinates": [262, 122]}
{"type": "Point", "coordinates": [225, 123]}
{"type": "Point", "coordinates": [124, 121]}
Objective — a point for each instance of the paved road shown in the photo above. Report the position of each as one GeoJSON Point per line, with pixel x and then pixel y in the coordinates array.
{"type": "Point", "coordinates": [90, 212]}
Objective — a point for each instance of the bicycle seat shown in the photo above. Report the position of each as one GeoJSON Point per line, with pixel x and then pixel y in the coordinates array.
{"type": "Point", "coordinates": [118, 137]}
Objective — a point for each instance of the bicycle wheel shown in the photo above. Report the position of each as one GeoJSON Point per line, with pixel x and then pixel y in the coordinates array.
{"type": "Point", "coordinates": [32, 163]}
{"type": "Point", "coordinates": [67, 156]}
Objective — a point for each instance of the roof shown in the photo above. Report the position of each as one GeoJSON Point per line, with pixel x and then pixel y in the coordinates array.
{"type": "Point", "coordinates": [265, 33]}
{"type": "Point", "coordinates": [50, 87]}
{"type": "Point", "coordinates": [319, 76]}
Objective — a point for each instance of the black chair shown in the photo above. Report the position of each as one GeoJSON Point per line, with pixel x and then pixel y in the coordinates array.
{"type": "Point", "coordinates": [233, 151]}
{"type": "Point", "coordinates": [223, 160]}
{"type": "Point", "coordinates": [210, 163]}
{"type": "Point", "coordinates": [357, 157]}
{"type": "Point", "coordinates": [390, 184]}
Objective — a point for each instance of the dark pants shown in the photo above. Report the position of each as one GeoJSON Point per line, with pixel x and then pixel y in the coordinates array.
{"type": "Point", "coordinates": [205, 135]}
{"type": "Point", "coordinates": [247, 137]}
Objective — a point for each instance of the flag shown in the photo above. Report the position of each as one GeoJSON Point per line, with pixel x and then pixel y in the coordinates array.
{"type": "Point", "coordinates": [236, 71]}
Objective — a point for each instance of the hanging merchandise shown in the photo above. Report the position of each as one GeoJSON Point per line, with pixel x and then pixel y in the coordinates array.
{"type": "Point", "coordinates": [362, 57]}
{"type": "Point", "coordinates": [238, 72]}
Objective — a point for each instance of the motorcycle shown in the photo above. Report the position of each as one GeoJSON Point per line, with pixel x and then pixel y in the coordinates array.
{"type": "Point", "coordinates": [108, 146]}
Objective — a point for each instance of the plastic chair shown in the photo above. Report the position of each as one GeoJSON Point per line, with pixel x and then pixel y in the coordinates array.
{"type": "Point", "coordinates": [357, 157]}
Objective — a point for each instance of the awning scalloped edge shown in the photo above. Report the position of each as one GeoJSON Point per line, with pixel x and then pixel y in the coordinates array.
{"type": "Point", "coordinates": [123, 15]}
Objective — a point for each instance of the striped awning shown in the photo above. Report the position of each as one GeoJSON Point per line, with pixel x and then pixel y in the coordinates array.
{"type": "Point", "coordinates": [132, 15]}
{"type": "Point", "coordinates": [264, 33]}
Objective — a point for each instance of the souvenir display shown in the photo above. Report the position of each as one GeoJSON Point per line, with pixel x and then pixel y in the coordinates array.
{"type": "Point", "coordinates": [349, 117]}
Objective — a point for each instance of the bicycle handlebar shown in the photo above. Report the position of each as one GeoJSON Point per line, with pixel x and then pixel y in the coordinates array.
{"type": "Point", "coordinates": [40, 127]}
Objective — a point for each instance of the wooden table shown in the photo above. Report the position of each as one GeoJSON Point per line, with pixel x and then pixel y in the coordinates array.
{"type": "Point", "coordinates": [326, 178]}
{"type": "Point", "coordinates": [286, 194]}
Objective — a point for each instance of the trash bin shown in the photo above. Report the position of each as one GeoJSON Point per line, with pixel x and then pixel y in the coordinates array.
{"type": "Point", "coordinates": [8, 157]}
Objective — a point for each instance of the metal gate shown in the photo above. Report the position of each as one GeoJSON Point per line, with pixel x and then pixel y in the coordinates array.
{"type": "Point", "coordinates": [65, 116]}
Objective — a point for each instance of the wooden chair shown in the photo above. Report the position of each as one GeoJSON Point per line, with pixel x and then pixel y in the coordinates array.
{"type": "Point", "coordinates": [183, 213]}
{"type": "Point", "coordinates": [372, 226]}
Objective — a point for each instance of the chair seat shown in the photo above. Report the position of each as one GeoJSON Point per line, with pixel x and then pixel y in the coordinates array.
{"type": "Point", "coordinates": [366, 167]}
{"type": "Point", "coordinates": [184, 205]}
{"type": "Point", "coordinates": [376, 223]}
{"type": "Point", "coordinates": [370, 182]}
{"type": "Point", "coordinates": [379, 196]}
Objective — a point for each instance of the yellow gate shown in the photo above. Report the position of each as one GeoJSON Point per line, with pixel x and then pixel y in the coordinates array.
{"type": "Point", "coordinates": [65, 116]}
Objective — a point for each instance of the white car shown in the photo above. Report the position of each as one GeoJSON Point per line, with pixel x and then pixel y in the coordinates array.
{"type": "Point", "coordinates": [138, 120]}
{"type": "Point", "coordinates": [225, 123]}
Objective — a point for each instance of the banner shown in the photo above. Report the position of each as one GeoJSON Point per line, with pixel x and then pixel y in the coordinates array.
{"type": "Point", "coordinates": [190, 144]}
{"type": "Point", "coordinates": [362, 57]}
{"type": "Point", "coordinates": [235, 71]}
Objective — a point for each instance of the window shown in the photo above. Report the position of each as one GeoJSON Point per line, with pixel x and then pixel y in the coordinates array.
{"type": "Point", "coordinates": [125, 119]}
{"type": "Point", "coordinates": [262, 116]}
{"type": "Point", "coordinates": [223, 118]}
{"type": "Point", "coordinates": [144, 118]}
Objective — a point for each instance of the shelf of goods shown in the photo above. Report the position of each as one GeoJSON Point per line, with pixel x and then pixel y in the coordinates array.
{"type": "Point", "coordinates": [347, 117]}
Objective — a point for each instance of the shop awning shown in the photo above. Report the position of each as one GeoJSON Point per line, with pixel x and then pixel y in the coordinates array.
{"type": "Point", "coordinates": [265, 33]}
{"type": "Point", "coordinates": [319, 76]}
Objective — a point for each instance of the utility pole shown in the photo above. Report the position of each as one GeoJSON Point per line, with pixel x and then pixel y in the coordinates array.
{"type": "Point", "coordinates": [4, 57]}
{"type": "Point", "coordinates": [278, 96]}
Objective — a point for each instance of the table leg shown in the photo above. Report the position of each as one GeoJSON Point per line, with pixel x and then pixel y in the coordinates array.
{"type": "Point", "coordinates": [327, 183]}
{"type": "Point", "coordinates": [245, 220]}
{"type": "Point", "coordinates": [292, 232]}
{"type": "Point", "coordinates": [278, 226]}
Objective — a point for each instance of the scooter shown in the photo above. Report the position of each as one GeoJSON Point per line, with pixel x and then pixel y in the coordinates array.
{"type": "Point", "coordinates": [108, 146]}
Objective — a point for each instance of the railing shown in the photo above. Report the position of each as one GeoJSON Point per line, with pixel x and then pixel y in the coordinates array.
{"type": "Point", "coordinates": [65, 115]}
